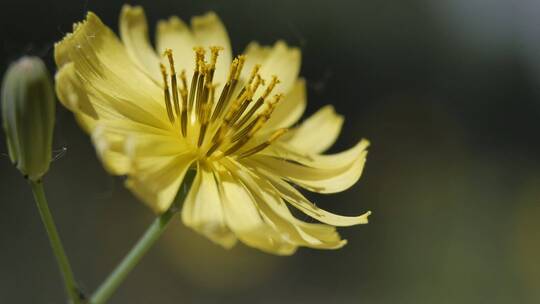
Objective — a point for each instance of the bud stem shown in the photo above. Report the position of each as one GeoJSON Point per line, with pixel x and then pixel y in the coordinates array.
{"type": "Point", "coordinates": [56, 244]}
{"type": "Point", "coordinates": [149, 238]}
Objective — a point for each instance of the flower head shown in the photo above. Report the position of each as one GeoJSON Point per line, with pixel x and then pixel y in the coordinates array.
{"type": "Point", "coordinates": [153, 114]}
{"type": "Point", "coordinates": [28, 106]}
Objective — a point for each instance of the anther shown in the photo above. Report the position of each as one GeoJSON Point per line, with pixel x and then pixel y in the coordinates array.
{"type": "Point", "coordinates": [214, 50]}
{"type": "Point", "coordinates": [271, 86]}
{"type": "Point", "coordinates": [241, 61]}
{"type": "Point", "coordinates": [201, 90]}
{"type": "Point", "coordinates": [258, 81]}
{"type": "Point", "coordinates": [167, 94]}
{"type": "Point", "coordinates": [199, 57]}
{"type": "Point", "coordinates": [254, 72]}
{"type": "Point", "coordinates": [234, 81]}
{"type": "Point", "coordinates": [174, 86]}
{"type": "Point", "coordinates": [183, 93]}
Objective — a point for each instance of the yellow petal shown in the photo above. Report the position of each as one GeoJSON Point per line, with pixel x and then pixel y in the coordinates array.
{"type": "Point", "coordinates": [108, 74]}
{"type": "Point", "coordinates": [118, 141]}
{"type": "Point", "coordinates": [70, 91]}
{"type": "Point", "coordinates": [109, 147]}
{"type": "Point", "coordinates": [156, 180]}
{"type": "Point", "coordinates": [276, 213]}
{"type": "Point", "coordinates": [174, 34]}
{"type": "Point", "coordinates": [283, 62]}
{"type": "Point", "coordinates": [290, 109]}
{"type": "Point", "coordinates": [134, 34]}
{"type": "Point", "coordinates": [208, 30]}
{"type": "Point", "coordinates": [203, 210]}
{"type": "Point", "coordinates": [255, 54]}
{"type": "Point", "coordinates": [317, 133]}
{"type": "Point", "coordinates": [320, 161]}
{"type": "Point", "coordinates": [332, 175]}
{"type": "Point", "coordinates": [244, 219]}
{"type": "Point", "coordinates": [295, 198]}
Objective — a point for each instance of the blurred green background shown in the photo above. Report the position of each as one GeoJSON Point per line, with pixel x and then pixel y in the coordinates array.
{"type": "Point", "coordinates": [448, 93]}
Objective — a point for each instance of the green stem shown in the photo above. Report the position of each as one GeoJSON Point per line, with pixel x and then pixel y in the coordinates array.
{"type": "Point", "coordinates": [152, 234]}
{"type": "Point", "coordinates": [56, 243]}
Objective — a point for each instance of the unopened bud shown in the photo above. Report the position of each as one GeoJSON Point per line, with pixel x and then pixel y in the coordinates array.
{"type": "Point", "coordinates": [28, 106]}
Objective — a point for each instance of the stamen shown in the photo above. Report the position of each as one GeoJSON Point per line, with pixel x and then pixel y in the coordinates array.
{"type": "Point", "coordinates": [240, 106]}
{"type": "Point", "coordinates": [232, 70]}
{"type": "Point", "coordinates": [254, 72]}
{"type": "Point", "coordinates": [225, 91]}
{"type": "Point", "coordinates": [241, 61]}
{"type": "Point", "coordinates": [253, 127]}
{"type": "Point", "coordinates": [270, 87]}
{"type": "Point", "coordinates": [227, 121]}
{"type": "Point", "coordinates": [202, 90]}
{"type": "Point", "coordinates": [174, 87]}
{"type": "Point", "coordinates": [214, 50]}
{"type": "Point", "coordinates": [167, 94]}
{"type": "Point", "coordinates": [199, 57]}
{"type": "Point", "coordinates": [207, 107]}
{"type": "Point", "coordinates": [256, 127]}
{"type": "Point", "coordinates": [217, 140]}
{"type": "Point", "coordinates": [275, 136]}
{"type": "Point", "coordinates": [234, 81]}
{"type": "Point", "coordinates": [183, 92]}
{"type": "Point", "coordinates": [258, 81]}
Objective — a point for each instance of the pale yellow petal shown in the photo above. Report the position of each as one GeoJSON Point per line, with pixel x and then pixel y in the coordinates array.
{"type": "Point", "coordinates": [208, 30]}
{"type": "Point", "coordinates": [174, 34]}
{"type": "Point", "coordinates": [323, 179]}
{"type": "Point", "coordinates": [295, 198]}
{"type": "Point", "coordinates": [71, 93]}
{"type": "Point", "coordinates": [255, 54]}
{"type": "Point", "coordinates": [108, 75]}
{"type": "Point", "coordinates": [321, 161]}
{"type": "Point", "coordinates": [244, 219]}
{"type": "Point", "coordinates": [203, 210]}
{"type": "Point", "coordinates": [284, 62]}
{"type": "Point", "coordinates": [119, 141]}
{"type": "Point", "coordinates": [156, 180]}
{"type": "Point", "coordinates": [276, 213]}
{"type": "Point", "coordinates": [317, 133]}
{"type": "Point", "coordinates": [109, 148]}
{"type": "Point", "coordinates": [134, 34]}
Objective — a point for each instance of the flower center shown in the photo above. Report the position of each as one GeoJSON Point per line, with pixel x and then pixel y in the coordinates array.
{"type": "Point", "coordinates": [226, 127]}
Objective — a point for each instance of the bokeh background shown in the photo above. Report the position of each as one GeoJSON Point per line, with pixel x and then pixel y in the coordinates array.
{"type": "Point", "coordinates": [447, 91]}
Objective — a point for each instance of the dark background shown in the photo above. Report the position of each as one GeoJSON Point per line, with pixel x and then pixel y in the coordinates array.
{"type": "Point", "coordinates": [448, 93]}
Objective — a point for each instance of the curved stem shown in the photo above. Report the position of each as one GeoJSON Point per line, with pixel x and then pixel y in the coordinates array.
{"type": "Point", "coordinates": [56, 243]}
{"type": "Point", "coordinates": [152, 234]}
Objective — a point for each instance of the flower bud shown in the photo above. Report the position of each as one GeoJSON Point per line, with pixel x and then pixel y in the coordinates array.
{"type": "Point", "coordinates": [28, 109]}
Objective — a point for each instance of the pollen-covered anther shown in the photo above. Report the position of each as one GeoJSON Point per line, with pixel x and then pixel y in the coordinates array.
{"type": "Point", "coordinates": [256, 83]}
{"type": "Point", "coordinates": [214, 51]}
{"type": "Point", "coordinates": [254, 73]}
{"type": "Point", "coordinates": [183, 93]}
{"type": "Point", "coordinates": [241, 61]}
{"type": "Point", "coordinates": [199, 61]}
{"type": "Point", "coordinates": [271, 86]}
{"type": "Point", "coordinates": [166, 93]}
{"type": "Point", "coordinates": [174, 84]}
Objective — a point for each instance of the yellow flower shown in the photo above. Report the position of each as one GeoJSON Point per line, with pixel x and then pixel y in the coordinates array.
{"type": "Point", "coordinates": [153, 114]}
